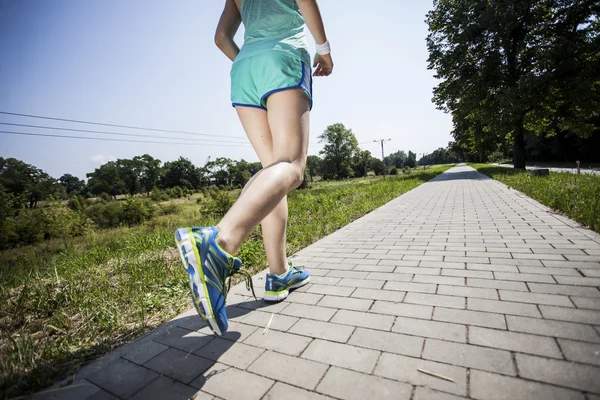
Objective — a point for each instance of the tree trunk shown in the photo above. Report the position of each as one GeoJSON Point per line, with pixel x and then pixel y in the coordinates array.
{"type": "Point", "coordinates": [519, 147]}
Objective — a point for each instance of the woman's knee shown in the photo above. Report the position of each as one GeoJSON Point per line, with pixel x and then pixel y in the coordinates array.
{"type": "Point", "coordinates": [298, 173]}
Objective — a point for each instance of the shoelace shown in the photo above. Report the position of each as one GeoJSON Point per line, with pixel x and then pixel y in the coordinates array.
{"type": "Point", "coordinates": [247, 278]}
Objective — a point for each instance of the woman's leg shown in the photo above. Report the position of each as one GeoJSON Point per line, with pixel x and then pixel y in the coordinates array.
{"type": "Point", "coordinates": [256, 125]}
{"type": "Point", "coordinates": [288, 119]}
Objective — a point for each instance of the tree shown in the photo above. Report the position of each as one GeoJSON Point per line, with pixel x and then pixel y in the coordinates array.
{"type": "Point", "coordinates": [239, 172]}
{"type": "Point", "coordinates": [340, 147]}
{"type": "Point", "coordinates": [411, 160]}
{"type": "Point", "coordinates": [314, 166]}
{"type": "Point", "coordinates": [362, 163]}
{"type": "Point", "coordinates": [220, 170]}
{"type": "Point", "coordinates": [378, 167]}
{"type": "Point", "coordinates": [26, 182]}
{"type": "Point", "coordinates": [396, 159]}
{"type": "Point", "coordinates": [149, 172]}
{"type": "Point", "coordinates": [183, 173]}
{"type": "Point", "coordinates": [72, 184]}
{"type": "Point", "coordinates": [511, 68]}
{"type": "Point", "coordinates": [106, 179]}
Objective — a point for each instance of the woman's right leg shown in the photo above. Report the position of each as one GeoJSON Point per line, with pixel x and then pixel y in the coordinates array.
{"type": "Point", "coordinates": [256, 126]}
{"type": "Point", "coordinates": [288, 118]}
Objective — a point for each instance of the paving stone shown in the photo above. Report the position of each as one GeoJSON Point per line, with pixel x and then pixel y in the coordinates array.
{"type": "Point", "coordinates": [309, 311]}
{"type": "Point", "coordinates": [122, 378]}
{"type": "Point", "coordinates": [591, 303]}
{"type": "Point", "coordinates": [560, 329]}
{"type": "Point", "coordinates": [306, 374]}
{"type": "Point", "coordinates": [573, 280]}
{"type": "Point", "coordinates": [101, 395]}
{"type": "Point", "coordinates": [323, 330]}
{"type": "Point", "coordinates": [364, 319]}
{"type": "Point", "coordinates": [487, 359]}
{"type": "Point", "coordinates": [558, 372]}
{"type": "Point", "coordinates": [548, 271]}
{"type": "Point", "coordinates": [485, 385]}
{"type": "Point", "coordinates": [402, 309]}
{"type": "Point", "coordinates": [230, 353]}
{"type": "Point", "coordinates": [467, 317]}
{"type": "Point", "coordinates": [569, 314]}
{"type": "Point", "coordinates": [303, 298]}
{"type": "Point", "coordinates": [163, 388]}
{"type": "Point", "coordinates": [279, 322]}
{"type": "Point", "coordinates": [463, 291]}
{"type": "Point", "coordinates": [468, 273]}
{"type": "Point", "coordinates": [236, 332]}
{"type": "Point", "coordinates": [348, 303]}
{"type": "Point", "coordinates": [281, 391]}
{"type": "Point", "coordinates": [250, 386]}
{"type": "Point", "coordinates": [442, 280]}
{"type": "Point", "coordinates": [492, 267]}
{"type": "Point", "coordinates": [279, 341]}
{"type": "Point", "coordinates": [513, 341]}
{"type": "Point", "coordinates": [431, 329]}
{"type": "Point", "coordinates": [324, 280]}
{"type": "Point", "coordinates": [509, 276]}
{"type": "Point", "coordinates": [331, 290]}
{"type": "Point", "coordinates": [144, 352]}
{"type": "Point", "coordinates": [404, 369]}
{"type": "Point", "coordinates": [349, 274]}
{"type": "Point", "coordinates": [379, 294]}
{"type": "Point", "coordinates": [442, 264]}
{"type": "Point", "coordinates": [383, 276]}
{"type": "Point", "coordinates": [424, 393]}
{"type": "Point", "coordinates": [351, 385]}
{"type": "Point", "coordinates": [179, 365]}
{"type": "Point", "coordinates": [387, 341]}
{"type": "Point", "coordinates": [410, 287]}
{"type": "Point", "coordinates": [435, 300]}
{"type": "Point", "coordinates": [342, 355]}
{"type": "Point", "coordinates": [564, 289]}
{"type": "Point", "coordinates": [503, 307]}
{"type": "Point", "coordinates": [183, 339]}
{"type": "Point", "coordinates": [375, 268]}
{"type": "Point", "coordinates": [535, 298]}
{"type": "Point", "coordinates": [588, 353]}
{"type": "Point", "coordinates": [497, 284]}
{"type": "Point", "coordinates": [417, 270]}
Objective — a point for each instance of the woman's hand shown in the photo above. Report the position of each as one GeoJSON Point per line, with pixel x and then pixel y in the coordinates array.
{"type": "Point", "coordinates": [323, 65]}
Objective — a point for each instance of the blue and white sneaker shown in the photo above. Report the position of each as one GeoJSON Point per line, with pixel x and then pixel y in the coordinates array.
{"type": "Point", "coordinates": [277, 287]}
{"type": "Point", "coordinates": [209, 269]}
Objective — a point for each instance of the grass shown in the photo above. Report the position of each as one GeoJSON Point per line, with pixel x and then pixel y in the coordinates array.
{"type": "Point", "coordinates": [66, 303]}
{"type": "Point", "coordinates": [577, 196]}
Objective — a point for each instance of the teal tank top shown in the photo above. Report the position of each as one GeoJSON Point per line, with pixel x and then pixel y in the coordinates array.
{"type": "Point", "coordinates": [273, 25]}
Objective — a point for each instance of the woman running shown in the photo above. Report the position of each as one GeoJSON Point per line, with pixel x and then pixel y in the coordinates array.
{"type": "Point", "coordinates": [271, 90]}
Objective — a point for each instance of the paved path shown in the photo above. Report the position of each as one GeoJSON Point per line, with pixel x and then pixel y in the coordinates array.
{"type": "Point", "coordinates": [460, 277]}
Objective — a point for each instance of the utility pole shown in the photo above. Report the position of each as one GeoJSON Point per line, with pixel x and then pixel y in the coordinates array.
{"type": "Point", "coordinates": [382, 140]}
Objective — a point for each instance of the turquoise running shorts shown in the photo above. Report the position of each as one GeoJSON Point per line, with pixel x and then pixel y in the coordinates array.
{"type": "Point", "coordinates": [255, 77]}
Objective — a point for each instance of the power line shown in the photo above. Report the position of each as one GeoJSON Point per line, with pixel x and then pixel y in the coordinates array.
{"type": "Point", "coordinates": [110, 133]}
{"type": "Point", "coordinates": [119, 140]}
{"type": "Point", "coordinates": [116, 126]}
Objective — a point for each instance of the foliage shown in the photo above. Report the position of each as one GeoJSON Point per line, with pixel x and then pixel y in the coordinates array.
{"type": "Point", "coordinates": [182, 173]}
{"type": "Point", "coordinates": [340, 146]}
{"type": "Point", "coordinates": [26, 182]}
{"type": "Point", "coordinates": [393, 171]}
{"type": "Point", "coordinates": [105, 215]}
{"type": "Point", "coordinates": [512, 68]}
{"type": "Point", "coordinates": [218, 203]}
{"type": "Point", "coordinates": [440, 156]}
{"type": "Point", "coordinates": [314, 166]}
{"type": "Point", "coordinates": [411, 160]}
{"type": "Point", "coordinates": [73, 186]}
{"type": "Point", "coordinates": [137, 210]}
{"type": "Point", "coordinates": [362, 163]}
{"type": "Point", "coordinates": [106, 179]}
{"type": "Point", "coordinates": [396, 159]}
{"type": "Point", "coordinates": [378, 166]}
{"type": "Point", "coordinates": [578, 196]}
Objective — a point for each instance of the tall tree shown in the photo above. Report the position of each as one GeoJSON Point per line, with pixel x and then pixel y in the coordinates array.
{"type": "Point", "coordinates": [340, 147]}
{"type": "Point", "coordinates": [515, 67]}
{"type": "Point", "coordinates": [314, 165]}
{"type": "Point", "coordinates": [72, 184]}
{"type": "Point", "coordinates": [106, 179]}
{"type": "Point", "coordinates": [181, 172]}
{"type": "Point", "coordinates": [362, 163]}
{"type": "Point", "coordinates": [149, 169]}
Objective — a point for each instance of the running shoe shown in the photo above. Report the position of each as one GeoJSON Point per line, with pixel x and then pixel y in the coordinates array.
{"type": "Point", "coordinates": [209, 270]}
{"type": "Point", "coordinates": [278, 287]}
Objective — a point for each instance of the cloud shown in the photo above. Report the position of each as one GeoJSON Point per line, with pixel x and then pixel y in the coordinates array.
{"type": "Point", "coordinates": [102, 158]}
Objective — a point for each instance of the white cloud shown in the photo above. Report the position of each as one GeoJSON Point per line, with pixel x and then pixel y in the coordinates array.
{"type": "Point", "coordinates": [102, 158]}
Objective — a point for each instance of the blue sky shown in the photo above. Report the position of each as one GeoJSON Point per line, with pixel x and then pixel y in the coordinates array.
{"type": "Point", "coordinates": [153, 63]}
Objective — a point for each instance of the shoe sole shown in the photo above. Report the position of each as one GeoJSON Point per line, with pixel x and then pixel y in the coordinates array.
{"type": "Point", "coordinates": [185, 242]}
{"type": "Point", "coordinates": [283, 295]}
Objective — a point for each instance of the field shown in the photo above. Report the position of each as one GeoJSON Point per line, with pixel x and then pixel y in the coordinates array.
{"type": "Point", "coordinates": [67, 302]}
{"type": "Point", "coordinates": [576, 196]}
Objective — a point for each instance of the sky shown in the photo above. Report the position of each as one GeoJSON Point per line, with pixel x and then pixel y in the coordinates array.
{"type": "Point", "coordinates": [153, 64]}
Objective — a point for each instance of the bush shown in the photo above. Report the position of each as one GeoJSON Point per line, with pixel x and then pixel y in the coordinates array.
{"type": "Point", "coordinates": [137, 210]}
{"type": "Point", "coordinates": [393, 171]}
{"type": "Point", "coordinates": [218, 202]}
{"type": "Point", "coordinates": [407, 170]}
{"type": "Point", "coordinates": [105, 215]}
{"type": "Point", "coordinates": [157, 195]}
{"type": "Point", "coordinates": [77, 203]}
{"type": "Point", "coordinates": [167, 209]}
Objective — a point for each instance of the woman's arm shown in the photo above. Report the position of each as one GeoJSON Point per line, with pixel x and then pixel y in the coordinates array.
{"type": "Point", "coordinates": [228, 25]}
{"type": "Point", "coordinates": [314, 22]}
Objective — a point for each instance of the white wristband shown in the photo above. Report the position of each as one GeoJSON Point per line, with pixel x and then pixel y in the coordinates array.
{"type": "Point", "coordinates": [323, 49]}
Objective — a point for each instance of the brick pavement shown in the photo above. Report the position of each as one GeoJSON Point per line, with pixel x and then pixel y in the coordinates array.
{"type": "Point", "coordinates": [460, 277]}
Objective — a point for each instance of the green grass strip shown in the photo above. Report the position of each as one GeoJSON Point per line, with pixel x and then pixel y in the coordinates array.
{"type": "Point", "coordinates": [576, 196]}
